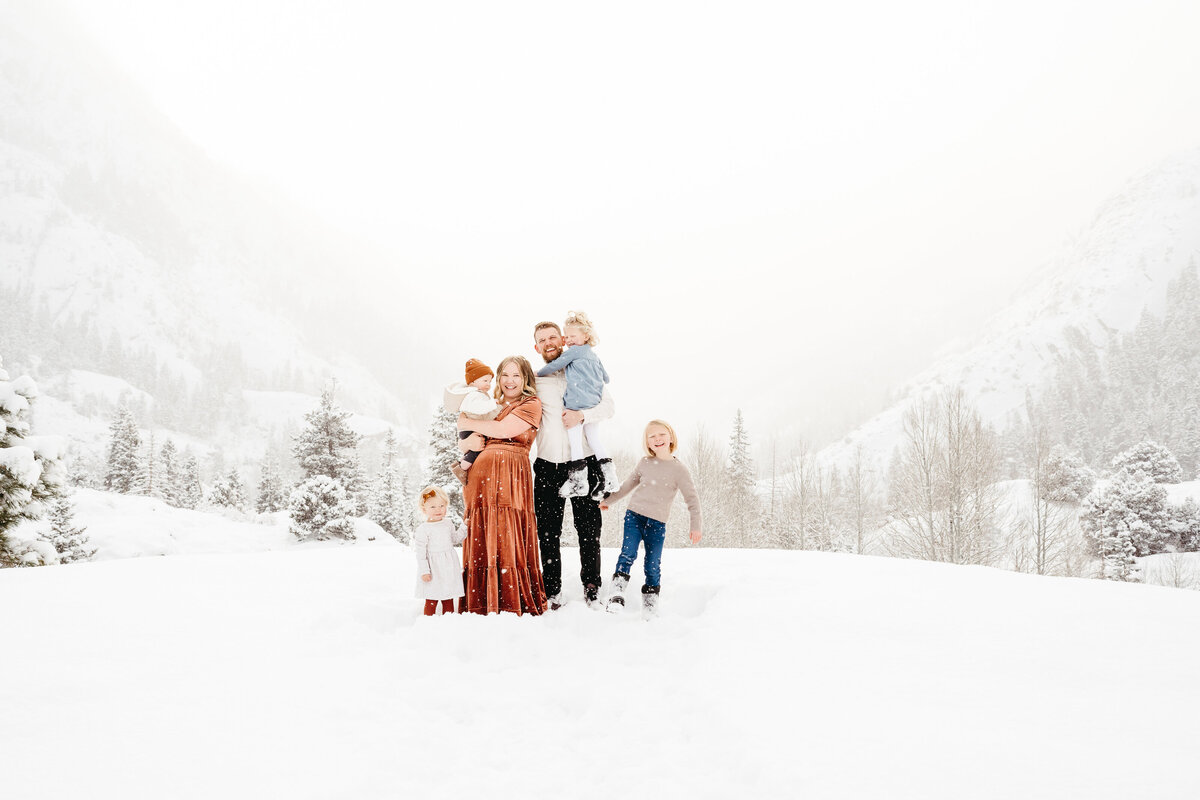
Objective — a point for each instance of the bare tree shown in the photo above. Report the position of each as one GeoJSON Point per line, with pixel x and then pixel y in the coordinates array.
{"type": "Point", "coordinates": [797, 502]}
{"type": "Point", "coordinates": [1177, 570]}
{"type": "Point", "coordinates": [706, 461]}
{"type": "Point", "coordinates": [1051, 528]}
{"type": "Point", "coordinates": [944, 493]}
{"type": "Point", "coordinates": [861, 489]}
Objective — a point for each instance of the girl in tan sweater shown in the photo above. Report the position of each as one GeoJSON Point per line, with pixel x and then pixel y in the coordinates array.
{"type": "Point", "coordinates": [654, 482]}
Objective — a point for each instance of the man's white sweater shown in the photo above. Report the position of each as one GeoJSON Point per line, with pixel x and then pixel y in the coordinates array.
{"type": "Point", "coordinates": [552, 444]}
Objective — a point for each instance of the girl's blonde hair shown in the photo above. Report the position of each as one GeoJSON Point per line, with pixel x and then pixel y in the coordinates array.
{"type": "Point", "coordinates": [578, 319]}
{"type": "Point", "coordinates": [528, 378]}
{"type": "Point", "coordinates": [670, 432]}
{"type": "Point", "coordinates": [430, 492]}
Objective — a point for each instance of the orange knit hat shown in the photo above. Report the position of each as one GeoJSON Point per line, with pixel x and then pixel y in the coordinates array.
{"type": "Point", "coordinates": [476, 369]}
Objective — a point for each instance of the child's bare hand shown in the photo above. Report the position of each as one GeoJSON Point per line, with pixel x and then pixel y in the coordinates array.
{"type": "Point", "coordinates": [695, 537]}
{"type": "Point", "coordinates": [427, 577]}
{"type": "Point", "coordinates": [604, 506]}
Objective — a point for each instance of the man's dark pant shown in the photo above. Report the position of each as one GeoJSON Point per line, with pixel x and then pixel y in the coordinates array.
{"type": "Point", "coordinates": [550, 508]}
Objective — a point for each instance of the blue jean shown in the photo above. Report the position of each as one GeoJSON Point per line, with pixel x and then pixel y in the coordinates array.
{"type": "Point", "coordinates": [643, 529]}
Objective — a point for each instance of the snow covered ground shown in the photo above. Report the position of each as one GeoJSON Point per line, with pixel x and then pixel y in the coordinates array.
{"type": "Point", "coordinates": [308, 673]}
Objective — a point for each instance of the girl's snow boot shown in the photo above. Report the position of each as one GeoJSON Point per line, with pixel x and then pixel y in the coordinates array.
{"type": "Point", "coordinates": [616, 596]}
{"type": "Point", "coordinates": [649, 601]}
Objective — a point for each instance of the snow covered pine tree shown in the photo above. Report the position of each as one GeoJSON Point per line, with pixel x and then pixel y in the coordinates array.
{"type": "Point", "coordinates": [31, 469]}
{"type": "Point", "coordinates": [321, 506]}
{"type": "Point", "coordinates": [123, 462]}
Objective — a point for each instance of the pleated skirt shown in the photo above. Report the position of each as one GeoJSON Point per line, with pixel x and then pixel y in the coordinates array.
{"type": "Point", "coordinates": [502, 568]}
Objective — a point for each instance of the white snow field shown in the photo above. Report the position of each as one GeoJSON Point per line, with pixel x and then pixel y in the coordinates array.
{"type": "Point", "coordinates": [308, 673]}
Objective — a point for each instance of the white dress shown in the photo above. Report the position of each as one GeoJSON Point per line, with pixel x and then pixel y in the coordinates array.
{"type": "Point", "coordinates": [433, 545]}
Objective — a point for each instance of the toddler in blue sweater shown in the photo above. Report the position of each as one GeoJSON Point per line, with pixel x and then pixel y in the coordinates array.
{"type": "Point", "coordinates": [586, 377]}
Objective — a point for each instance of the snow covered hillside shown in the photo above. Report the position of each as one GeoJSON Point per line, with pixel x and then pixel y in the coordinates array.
{"type": "Point", "coordinates": [309, 674]}
{"type": "Point", "coordinates": [132, 267]}
{"type": "Point", "coordinates": [1141, 239]}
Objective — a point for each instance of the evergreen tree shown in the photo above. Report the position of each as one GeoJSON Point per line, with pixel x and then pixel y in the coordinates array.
{"type": "Point", "coordinates": [148, 479]}
{"type": "Point", "coordinates": [443, 446]}
{"type": "Point", "coordinates": [327, 445]}
{"type": "Point", "coordinates": [228, 491]}
{"type": "Point", "coordinates": [1151, 458]}
{"type": "Point", "coordinates": [191, 492]}
{"type": "Point", "coordinates": [390, 505]}
{"type": "Point", "coordinates": [123, 462]}
{"type": "Point", "coordinates": [271, 496]}
{"type": "Point", "coordinates": [69, 541]}
{"type": "Point", "coordinates": [740, 477]}
{"type": "Point", "coordinates": [320, 510]}
{"type": "Point", "coordinates": [357, 489]}
{"type": "Point", "coordinates": [170, 482]}
{"type": "Point", "coordinates": [1185, 526]}
{"type": "Point", "coordinates": [321, 507]}
{"type": "Point", "coordinates": [1065, 478]}
{"type": "Point", "coordinates": [30, 468]}
{"type": "Point", "coordinates": [1127, 518]}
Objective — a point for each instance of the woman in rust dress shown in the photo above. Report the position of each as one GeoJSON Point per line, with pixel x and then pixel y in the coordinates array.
{"type": "Point", "coordinates": [502, 570]}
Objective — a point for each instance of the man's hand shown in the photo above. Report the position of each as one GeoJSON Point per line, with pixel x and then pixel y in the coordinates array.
{"type": "Point", "coordinates": [572, 418]}
{"type": "Point", "coordinates": [427, 577]}
{"type": "Point", "coordinates": [472, 442]}
{"type": "Point", "coordinates": [695, 537]}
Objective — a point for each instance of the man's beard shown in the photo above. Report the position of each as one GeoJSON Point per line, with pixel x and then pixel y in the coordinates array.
{"type": "Point", "coordinates": [549, 354]}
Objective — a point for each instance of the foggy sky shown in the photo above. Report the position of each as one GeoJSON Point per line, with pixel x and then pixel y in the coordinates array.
{"type": "Point", "coordinates": [767, 206]}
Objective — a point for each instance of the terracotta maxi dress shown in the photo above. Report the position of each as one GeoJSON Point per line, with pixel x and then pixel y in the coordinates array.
{"type": "Point", "coordinates": [502, 570]}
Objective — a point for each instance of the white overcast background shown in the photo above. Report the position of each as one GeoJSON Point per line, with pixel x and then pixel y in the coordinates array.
{"type": "Point", "coordinates": [783, 207]}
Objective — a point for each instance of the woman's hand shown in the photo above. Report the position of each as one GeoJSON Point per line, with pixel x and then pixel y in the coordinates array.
{"type": "Point", "coordinates": [427, 577]}
{"type": "Point", "coordinates": [695, 537]}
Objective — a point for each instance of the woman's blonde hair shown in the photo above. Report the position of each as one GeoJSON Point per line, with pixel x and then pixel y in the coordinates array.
{"type": "Point", "coordinates": [578, 319]}
{"type": "Point", "coordinates": [430, 492]}
{"type": "Point", "coordinates": [528, 378]}
{"type": "Point", "coordinates": [670, 432]}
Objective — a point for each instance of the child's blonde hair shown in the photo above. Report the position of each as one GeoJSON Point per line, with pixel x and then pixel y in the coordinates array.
{"type": "Point", "coordinates": [430, 492]}
{"type": "Point", "coordinates": [578, 319]}
{"type": "Point", "coordinates": [670, 432]}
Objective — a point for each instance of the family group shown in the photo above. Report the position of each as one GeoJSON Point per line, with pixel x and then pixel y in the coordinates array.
{"type": "Point", "coordinates": [512, 526]}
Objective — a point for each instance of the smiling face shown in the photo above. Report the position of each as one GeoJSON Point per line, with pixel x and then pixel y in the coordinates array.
{"type": "Point", "coordinates": [574, 336]}
{"type": "Point", "coordinates": [548, 343]}
{"type": "Point", "coordinates": [483, 384]}
{"type": "Point", "coordinates": [511, 381]}
{"type": "Point", "coordinates": [434, 508]}
{"type": "Point", "coordinates": [659, 441]}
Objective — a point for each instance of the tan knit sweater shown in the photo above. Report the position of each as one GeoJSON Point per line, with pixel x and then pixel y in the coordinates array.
{"type": "Point", "coordinates": [653, 483]}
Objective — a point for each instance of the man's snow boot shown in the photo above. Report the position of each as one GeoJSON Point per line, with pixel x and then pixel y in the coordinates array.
{"type": "Point", "coordinates": [577, 480]}
{"type": "Point", "coordinates": [616, 596]}
{"type": "Point", "coordinates": [650, 601]}
{"type": "Point", "coordinates": [555, 601]}
{"type": "Point", "coordinates": [591, 595]}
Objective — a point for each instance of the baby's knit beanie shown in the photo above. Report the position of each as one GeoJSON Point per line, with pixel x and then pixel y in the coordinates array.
{"type": "Point", "coordinates": [476, 369]}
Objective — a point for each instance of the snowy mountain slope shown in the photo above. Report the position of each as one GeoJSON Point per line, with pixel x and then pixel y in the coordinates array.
{"type": "Point", "coordinates": [309, 674]}
{"type": "Point", "coordinates": [111, 220]}
{"type": "Point", "coordinates": [1140, 239]}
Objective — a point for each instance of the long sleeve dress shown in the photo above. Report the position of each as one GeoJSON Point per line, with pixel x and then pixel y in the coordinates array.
{"type": "Point", "coordinates": [502, 568]}
{"type": "Point", "coordinates": [433, 545]}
